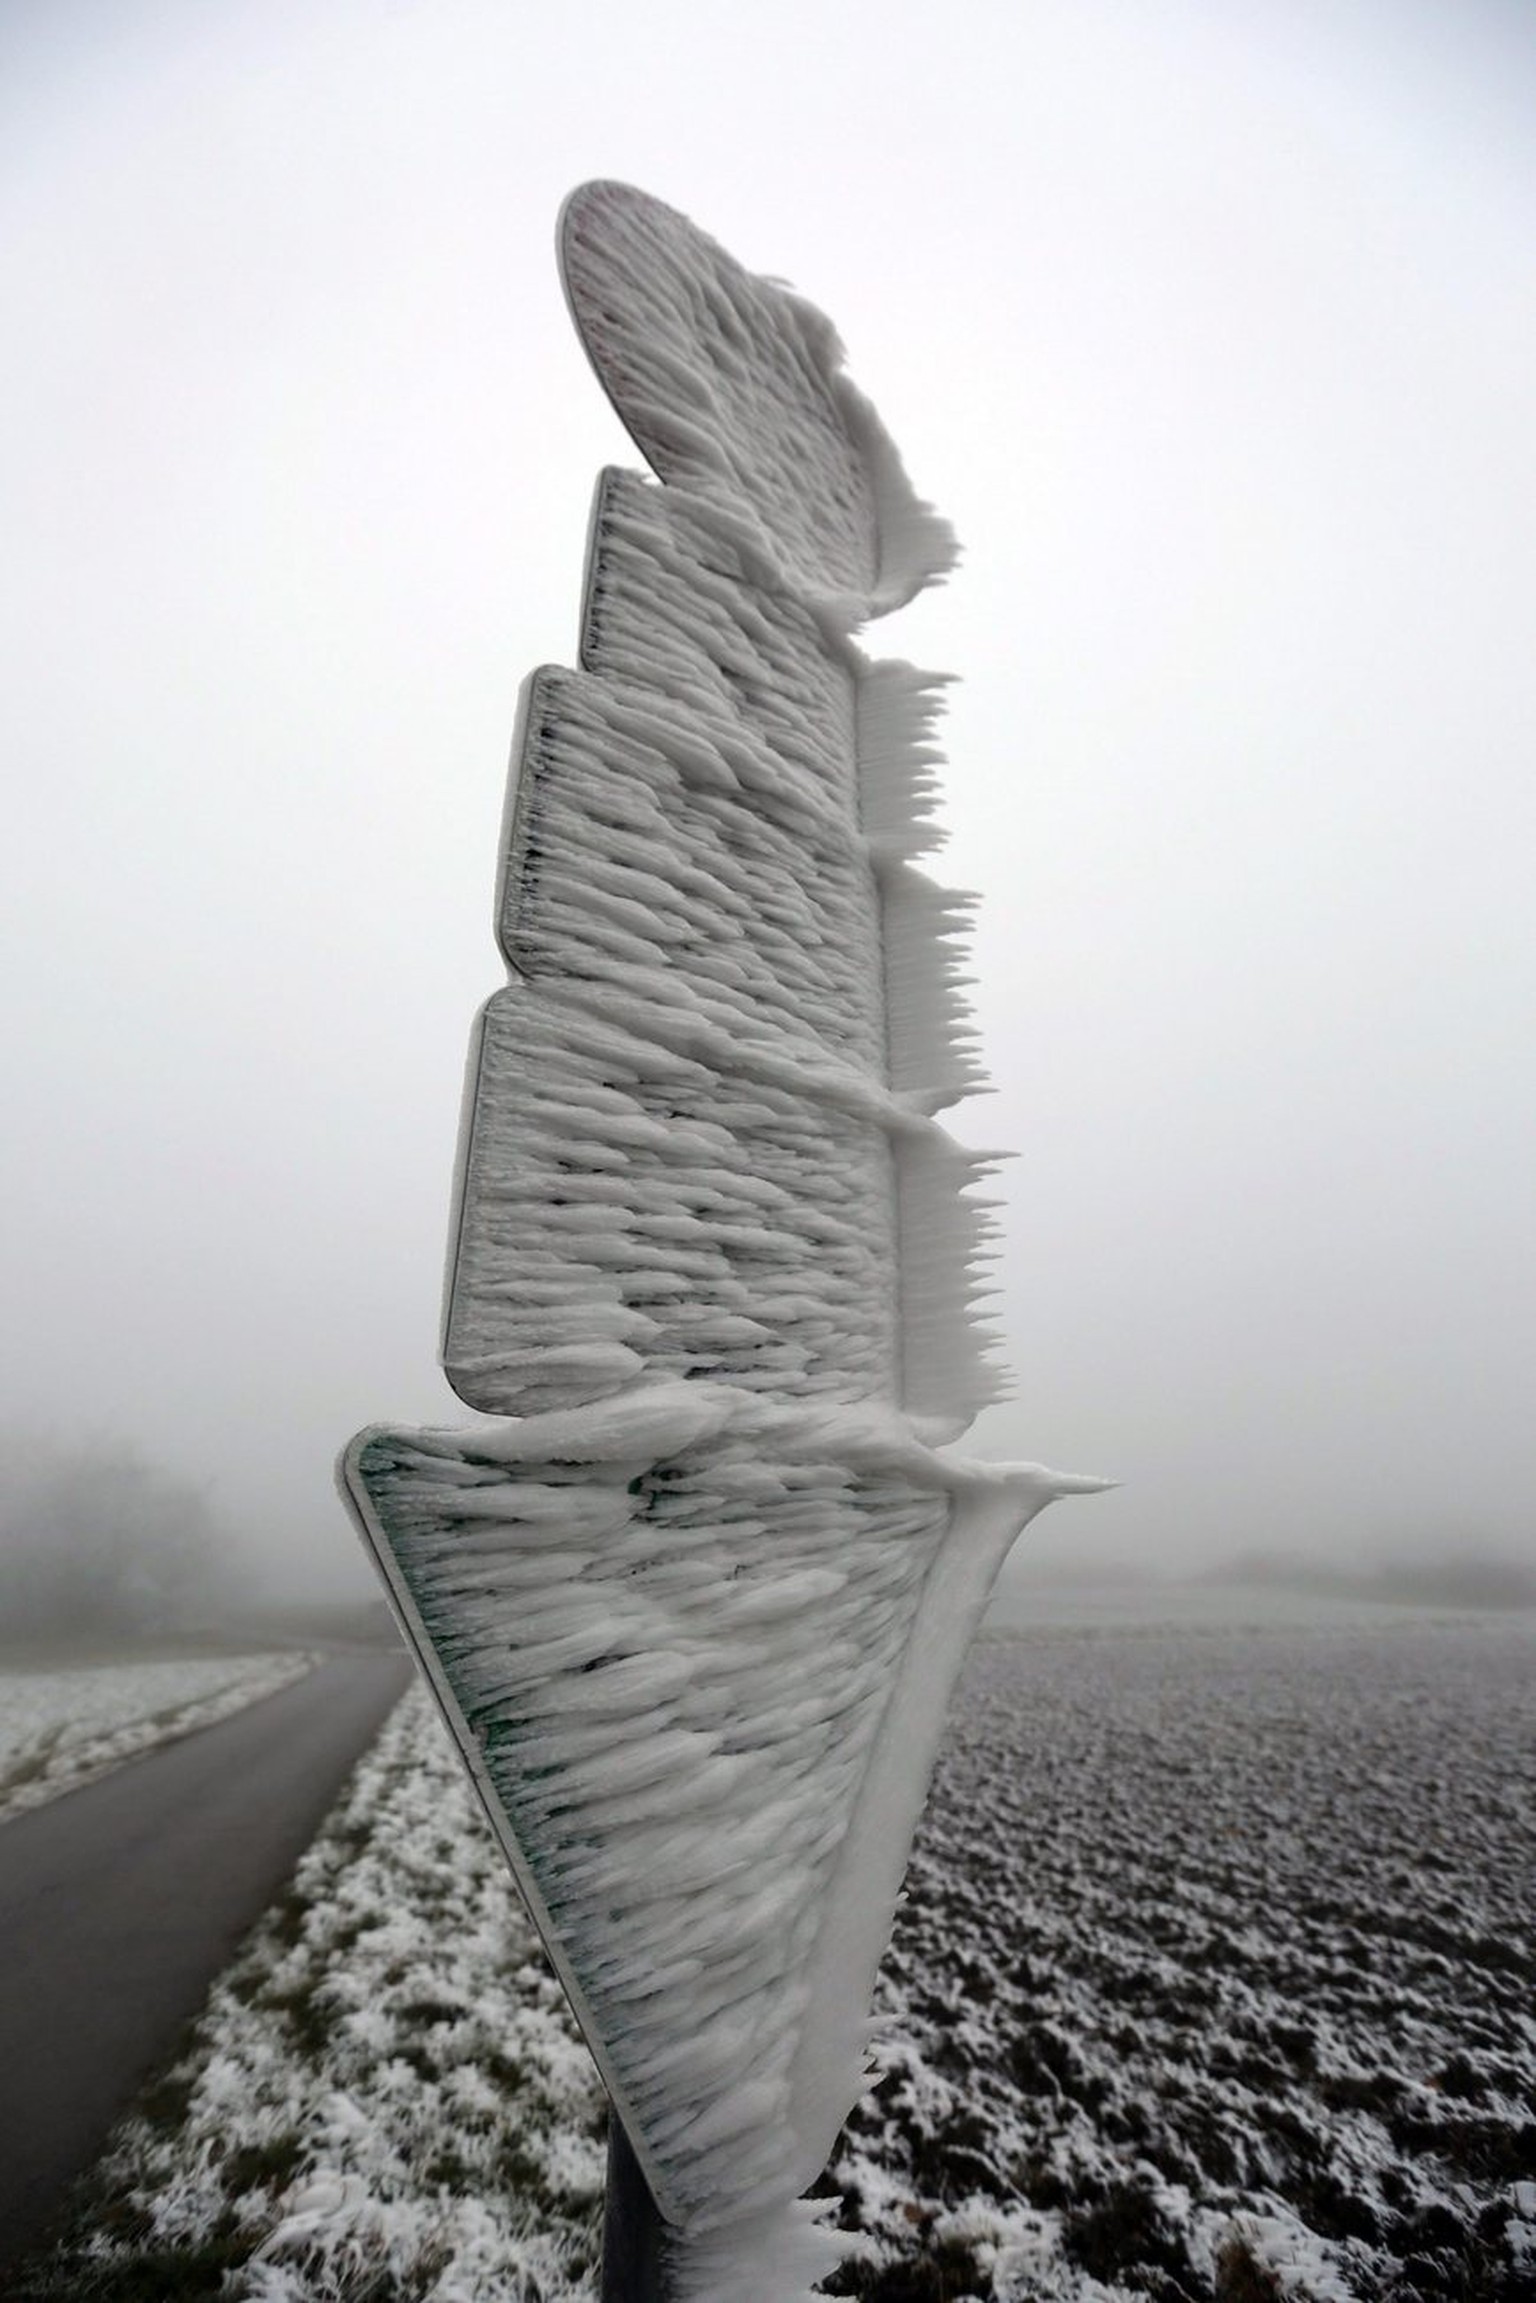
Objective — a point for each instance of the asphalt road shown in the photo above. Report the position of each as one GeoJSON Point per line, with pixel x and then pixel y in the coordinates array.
{"type": "Point", "coordinates": [120, 1903]}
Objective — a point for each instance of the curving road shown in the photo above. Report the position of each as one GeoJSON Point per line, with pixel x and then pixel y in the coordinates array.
{"type": "Point", "coordinates": [121, 1902]}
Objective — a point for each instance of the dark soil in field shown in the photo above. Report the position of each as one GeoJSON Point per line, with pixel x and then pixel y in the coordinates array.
{"type": "Point", "coordinates": [1216, 1975]}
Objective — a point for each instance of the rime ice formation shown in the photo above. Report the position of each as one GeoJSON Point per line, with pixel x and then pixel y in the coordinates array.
{"type": "Point", "coordinates": [693, 1600]}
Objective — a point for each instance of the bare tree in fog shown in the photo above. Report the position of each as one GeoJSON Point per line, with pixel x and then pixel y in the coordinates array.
{"type": "Point", "coordinates": [96, 1542]}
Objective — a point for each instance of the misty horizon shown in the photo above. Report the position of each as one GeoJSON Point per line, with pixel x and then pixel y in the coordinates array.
{"type": "Point", "coordinates": [1216, 340]}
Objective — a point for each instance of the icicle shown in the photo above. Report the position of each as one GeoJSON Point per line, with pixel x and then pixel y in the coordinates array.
{"type": "Point", "coordinates": [898, 709]}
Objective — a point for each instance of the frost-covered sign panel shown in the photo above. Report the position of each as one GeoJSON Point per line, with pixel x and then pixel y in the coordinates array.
{"type": "Point", "coordinates": [694, 1598]}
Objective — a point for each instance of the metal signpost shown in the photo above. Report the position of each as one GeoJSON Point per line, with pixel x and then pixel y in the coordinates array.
{"type": "Point", "coordinates": [692, 1602]}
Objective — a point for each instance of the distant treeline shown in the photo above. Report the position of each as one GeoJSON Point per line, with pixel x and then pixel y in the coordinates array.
{"type": "Point", "coordinates": [97, 1543]}
{"type": "Point", "coordinates": [1481, 1580]}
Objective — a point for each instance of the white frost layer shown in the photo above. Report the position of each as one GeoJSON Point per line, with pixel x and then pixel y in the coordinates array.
{"type": "Point", "coordinates": [676, 601]}
{"type": "Point", "coordinates": [705, 851]}
{"type": "Point", "coordinates": [62, 1729]}
{"type": "Point", "coordinates": [648, 836]}
{"type": "Point", "coordinates": [733, 388]}
{"type": "Point", "coordinates": [777, 2257]}
{"type": "Point", "coordinates": [630, 1209]}
{"type": "Point", "coordinates": [698, 1656]}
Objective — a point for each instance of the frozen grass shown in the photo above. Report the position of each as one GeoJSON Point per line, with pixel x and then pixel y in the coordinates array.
{"type": "Point", "coordinates": [61, 1729]}
{"type": "Point", "coordinates": [385, 2097]}
{"type": "Point", "coordinates": [1215, 1981]}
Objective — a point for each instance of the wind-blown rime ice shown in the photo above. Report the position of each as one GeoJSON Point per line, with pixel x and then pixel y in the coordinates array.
{"type": "Point", "coordinates": [732, 389]}
{"type": "Point", "coordinates": [707, 852]}
{"type": "Point", "coordinates": [694, 1603]}
{"type": "Point", "coordinates": [693, 1645]}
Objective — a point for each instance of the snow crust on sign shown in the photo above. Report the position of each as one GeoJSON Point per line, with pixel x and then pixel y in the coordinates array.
{"type": "Point", "coordinates": [676, 598]}
{"type": "Point", "coordinates": [733, 389]}
{"type": "Point", "coordinates": [676, 1716]}
{"type": "Point", "coordinates": [646, 838]}
{"type": "Point", "coordinates": [708, 848]}
{"type": "Point", "coordinates": [631, 1209]}
{"type": "Point", "coordinates": [693, 1604]}
{"type": "Point", "coordinates": [687, 1669]}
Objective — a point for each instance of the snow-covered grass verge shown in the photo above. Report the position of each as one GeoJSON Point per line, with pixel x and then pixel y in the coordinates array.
{"type": "Point", "coordinates": [61, 1729]}
{"type": "Point", "coordinates": [1215, 1981]}
{"type": "Point", "coordinates": [386, 2096]}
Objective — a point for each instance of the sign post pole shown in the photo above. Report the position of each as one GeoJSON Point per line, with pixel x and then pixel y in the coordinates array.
{"type": "Point", "coordinates": [633, 2266]}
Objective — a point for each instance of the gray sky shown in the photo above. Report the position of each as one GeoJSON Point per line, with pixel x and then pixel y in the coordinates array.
{"type": "Point", "coordinates": [1214, 331]}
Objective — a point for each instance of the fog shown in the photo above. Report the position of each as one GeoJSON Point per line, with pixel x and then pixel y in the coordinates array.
{"type": "Point", "coordinates": [1214, 332]}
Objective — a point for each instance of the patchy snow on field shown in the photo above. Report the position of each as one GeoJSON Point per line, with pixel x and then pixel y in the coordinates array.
{"type": "Point", "coordinates": [1217, 1974]}
{"type": "Point", "coordinates": [1215, 1980]}
{"type": "Point", "coordinates": [61, 1729]}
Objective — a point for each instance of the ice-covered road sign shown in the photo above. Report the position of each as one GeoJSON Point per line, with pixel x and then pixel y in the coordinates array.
{"type": "Point", "coordinates": [694, 1600]}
